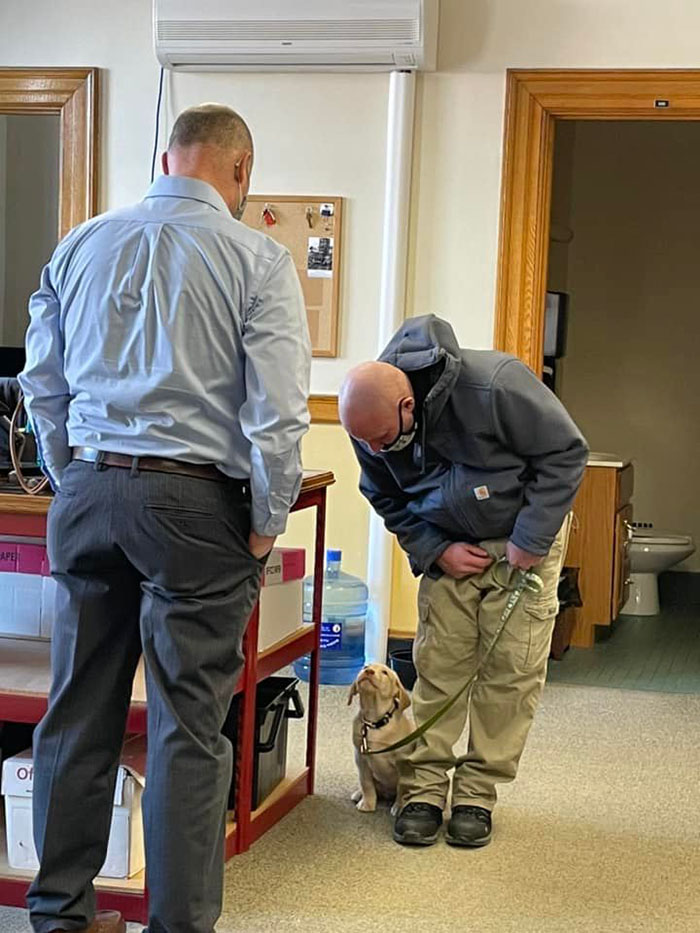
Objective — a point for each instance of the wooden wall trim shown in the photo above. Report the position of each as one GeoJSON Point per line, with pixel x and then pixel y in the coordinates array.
{"type": "Point", "coordinates": [324, 409]}
{"type": "Point", "coordinates": [534, 100]}
{"type": "Point", "coordinates": [72, 94]}
{"type": "Point", "coordinates": [526, 192]}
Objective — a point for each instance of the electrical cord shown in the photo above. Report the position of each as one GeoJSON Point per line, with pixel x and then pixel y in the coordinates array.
{"type": "Point", "coordinates": [157, 132]}
{"type": "Point", "coordinates": [32, 486]}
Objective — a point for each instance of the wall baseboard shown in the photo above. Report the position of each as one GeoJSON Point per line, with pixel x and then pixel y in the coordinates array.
{"type": "Point", "coordinates": [324, 409]}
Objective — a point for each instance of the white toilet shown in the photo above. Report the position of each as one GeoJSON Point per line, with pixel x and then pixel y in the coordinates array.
{"type": "Point", "coordinates": [652, 552]}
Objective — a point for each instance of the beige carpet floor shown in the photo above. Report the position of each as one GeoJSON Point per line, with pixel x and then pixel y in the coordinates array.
{"type": "Point", "coordinates": [599, 834]}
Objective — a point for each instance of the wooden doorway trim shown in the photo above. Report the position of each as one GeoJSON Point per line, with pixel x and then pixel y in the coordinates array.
{"type": "Point", "coordinates": [534, 100]}
{"type": "Point", "coordinates": [71, 94]}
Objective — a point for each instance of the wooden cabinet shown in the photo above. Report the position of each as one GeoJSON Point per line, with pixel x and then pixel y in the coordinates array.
{"type": "Point", "coordinates": [621, 566]}
{"type": "Point", "coordinates": [599, 547]}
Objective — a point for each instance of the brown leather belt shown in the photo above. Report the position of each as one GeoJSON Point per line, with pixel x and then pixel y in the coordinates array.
{"type": "Point", "coordinates": [155, 464]}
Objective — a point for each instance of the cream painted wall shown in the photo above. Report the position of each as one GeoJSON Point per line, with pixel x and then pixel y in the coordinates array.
{"type": "Point", "coordinates": [631, 378]}
{"type": "Point", "coordinates": [327, 447]}
{"type": "Point", "coordinates": [460, 131]}
{"type": "Point", "coordinates": [326, 133]}
{"type": "Point", "coordinates": [314, 134]}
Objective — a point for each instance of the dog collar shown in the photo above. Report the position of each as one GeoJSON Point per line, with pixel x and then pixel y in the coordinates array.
{"type": "Point", "coordinates": [386, 718]}
{"type": "Point", "coordinates": [379, 724]}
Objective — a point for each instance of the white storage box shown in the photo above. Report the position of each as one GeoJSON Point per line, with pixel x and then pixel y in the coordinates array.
{"type": "Point", "coordinates": [281, 596]}
{"type": "Point", "coordinates": [125, 852]}
{"type": "Point", "coordinates": [49, 592]}
{"type": "Point", "coordinates": [280, 612]}
{"type": "Point", "coordinates": [27, 592]}
{"type": "Point", "coordinates": [20, 604]}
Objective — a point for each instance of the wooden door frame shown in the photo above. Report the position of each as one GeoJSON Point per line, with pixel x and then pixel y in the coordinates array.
{"type": "Point", "coordinates": [534, 100]}
{"type": "Point", "coordinates": [71, 94]}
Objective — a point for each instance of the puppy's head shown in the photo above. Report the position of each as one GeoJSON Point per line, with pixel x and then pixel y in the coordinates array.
{"type": "Point", "coordinates": [377, 682]}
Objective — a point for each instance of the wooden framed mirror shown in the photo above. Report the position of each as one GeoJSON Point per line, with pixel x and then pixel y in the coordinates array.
{"type": "Point", "coordinates": [48, 179]}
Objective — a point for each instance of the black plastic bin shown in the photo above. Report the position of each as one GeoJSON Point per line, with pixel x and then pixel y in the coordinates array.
{"type": "Point", "coordinates": [401, 661]}
{"type": "Point", "coordinates": [271, 714]}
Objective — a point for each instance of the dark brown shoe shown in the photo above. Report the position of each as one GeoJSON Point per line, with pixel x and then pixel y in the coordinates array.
{"type": "Point", "coordinates": [106, 921]}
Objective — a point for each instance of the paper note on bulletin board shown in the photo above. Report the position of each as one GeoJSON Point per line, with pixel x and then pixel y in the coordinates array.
{"type": "Point", "coordinates": [310, 228]}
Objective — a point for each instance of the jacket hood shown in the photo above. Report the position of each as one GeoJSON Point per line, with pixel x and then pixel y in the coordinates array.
{"type": "Point", "coordinates": [420, 342]}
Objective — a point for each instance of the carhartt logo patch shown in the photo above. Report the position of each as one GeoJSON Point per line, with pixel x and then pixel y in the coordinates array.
{"type": "Point", "coordinates": [482, 492]}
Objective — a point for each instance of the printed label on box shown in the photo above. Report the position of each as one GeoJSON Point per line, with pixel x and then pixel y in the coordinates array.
{"type": "Point", "coordinates": [9, 557]}
{"type": "Point", "coordinates": [331, 636]}
{"type": "Point", "coordinates": [21, 557]}
{"type": "Point", "coordinates": [284, 565]}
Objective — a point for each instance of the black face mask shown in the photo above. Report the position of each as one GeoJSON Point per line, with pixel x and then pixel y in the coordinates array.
{"type": "Point", "coordinates": [403, 438]}
{"type": "Point", "coordinates": [240, 210]}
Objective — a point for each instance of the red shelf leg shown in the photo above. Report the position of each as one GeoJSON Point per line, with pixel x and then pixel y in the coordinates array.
{"type": "Point", "coordinates": [314, 674]}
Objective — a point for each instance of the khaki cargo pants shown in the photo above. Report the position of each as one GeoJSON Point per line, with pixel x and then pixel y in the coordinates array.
{"type": "Point", "coordinates": [457, 620]}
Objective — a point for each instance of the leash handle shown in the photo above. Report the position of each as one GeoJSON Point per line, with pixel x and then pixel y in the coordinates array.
{"type": "Point", "coordinates": [526, 580]}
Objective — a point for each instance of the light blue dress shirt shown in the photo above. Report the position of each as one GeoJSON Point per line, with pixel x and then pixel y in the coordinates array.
{"type": "Point", "coordinates": [169, 329]}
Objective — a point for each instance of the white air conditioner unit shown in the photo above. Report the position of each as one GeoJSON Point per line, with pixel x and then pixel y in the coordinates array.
{"type": "Point", "coordinates": [296, 35]}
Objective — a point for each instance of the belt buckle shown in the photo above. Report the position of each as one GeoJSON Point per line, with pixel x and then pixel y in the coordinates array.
{"type": "Point", "coordinates": [88, 454]}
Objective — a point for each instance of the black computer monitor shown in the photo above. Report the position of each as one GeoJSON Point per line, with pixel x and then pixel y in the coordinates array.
{"type": "Point", "coordinates": [12, 361]}
{"type": "Point", "coordinates": [555, 324]}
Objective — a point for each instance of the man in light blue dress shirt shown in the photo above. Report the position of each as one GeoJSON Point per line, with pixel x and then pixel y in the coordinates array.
{"type": "Point", "coordinates": [167, 376]}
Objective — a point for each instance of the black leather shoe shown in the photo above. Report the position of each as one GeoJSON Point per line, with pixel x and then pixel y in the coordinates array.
{"type": "Point", "coordinates": [418, 824]}
{"type": "Point", "coordinates": [469, 826]}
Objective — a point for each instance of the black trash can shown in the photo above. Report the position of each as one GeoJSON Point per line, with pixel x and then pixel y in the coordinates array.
{"type": "Point", "coordinates": [569, 597]}
{"type": "Point", "coordinates": [271, 715]}
{"type": "Point", "coordinates": [401, 661]}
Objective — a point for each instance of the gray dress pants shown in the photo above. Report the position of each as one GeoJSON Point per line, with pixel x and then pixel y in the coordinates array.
{"type": "Point", "coordinates": [158, 564]}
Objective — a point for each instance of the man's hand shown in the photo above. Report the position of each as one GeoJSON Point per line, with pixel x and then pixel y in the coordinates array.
{"type": "Point", "coordinates": [522, 560]}
{"type": "Point", "coordinates": [259, 545]}
{"type": "Point", "coordinates": [461, 560]}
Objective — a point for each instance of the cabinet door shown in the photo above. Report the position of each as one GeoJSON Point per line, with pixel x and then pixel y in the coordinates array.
{"type": "Point", "coordinates": [621, 567]}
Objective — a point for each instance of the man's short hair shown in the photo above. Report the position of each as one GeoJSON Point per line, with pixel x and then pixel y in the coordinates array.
{"type": "Point", "coordinates": [211, 125]}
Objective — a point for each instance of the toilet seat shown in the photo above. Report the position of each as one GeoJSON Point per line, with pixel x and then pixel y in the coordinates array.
{"type": "Point", "coordinates": [650, 536]}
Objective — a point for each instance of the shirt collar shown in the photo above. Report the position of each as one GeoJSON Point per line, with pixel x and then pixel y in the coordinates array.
{"type": "Point", "coordinates": [180, 186]}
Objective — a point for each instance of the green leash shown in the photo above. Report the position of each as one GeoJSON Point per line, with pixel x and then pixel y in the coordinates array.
{"type": "Point", "coordinates": [526, 581]}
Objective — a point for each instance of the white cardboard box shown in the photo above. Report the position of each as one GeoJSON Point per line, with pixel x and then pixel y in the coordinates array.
{"type": "Point", "coordinates": [280, 612]}
{"type": "Point", "coordinates": [49, 591]}
{"type": "Point", "coordinates": [125, 852]}
{"type": "Point", "coordinates": [20, 604]}
{"type": "Point", "coordinates": [27, 605]}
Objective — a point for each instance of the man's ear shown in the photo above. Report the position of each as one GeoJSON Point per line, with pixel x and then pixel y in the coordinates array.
{"type": "Point", "coordinates": [244, 168]}
{"type": "Point", "coordinates": [164, 163]}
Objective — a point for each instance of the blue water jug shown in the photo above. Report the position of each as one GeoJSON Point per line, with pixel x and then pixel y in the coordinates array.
{"type": "Point", "coordinates": [342, 625]}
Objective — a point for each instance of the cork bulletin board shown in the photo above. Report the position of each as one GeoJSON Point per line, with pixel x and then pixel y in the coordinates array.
{"type": "Point", "coordinates": [310, 228]}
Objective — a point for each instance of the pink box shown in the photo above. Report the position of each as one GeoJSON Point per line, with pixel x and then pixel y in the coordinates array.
{"type": "Point", "coordinates": [31, 558]}
{"type": "Point", "coordinates": [9, 556]}
{"type": "Point", "coordinates": [284, 565]}
{"type": "Point", "coordinates": [23, 555]}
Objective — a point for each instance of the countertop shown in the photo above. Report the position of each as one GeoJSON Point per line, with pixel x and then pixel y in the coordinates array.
{"type": "Point", "coordinates": [597, 459]}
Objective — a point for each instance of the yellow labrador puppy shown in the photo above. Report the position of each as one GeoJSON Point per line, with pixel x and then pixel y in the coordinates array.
{"type": "Point", "coordinates": [382, 720]}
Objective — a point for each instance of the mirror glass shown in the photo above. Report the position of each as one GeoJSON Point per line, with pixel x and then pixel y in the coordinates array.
{"type": "Point", "coordinates": [29, 200]}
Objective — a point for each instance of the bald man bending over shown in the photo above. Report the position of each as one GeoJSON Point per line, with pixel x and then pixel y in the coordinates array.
{"type": "Point", "coordinates": [473, 464]}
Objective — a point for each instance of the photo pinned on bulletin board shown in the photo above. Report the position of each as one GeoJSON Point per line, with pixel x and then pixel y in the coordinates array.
{"type": "Point", "coordinates": [310, 227]}
{"type": "Point", "coordinates": [319, 262]}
